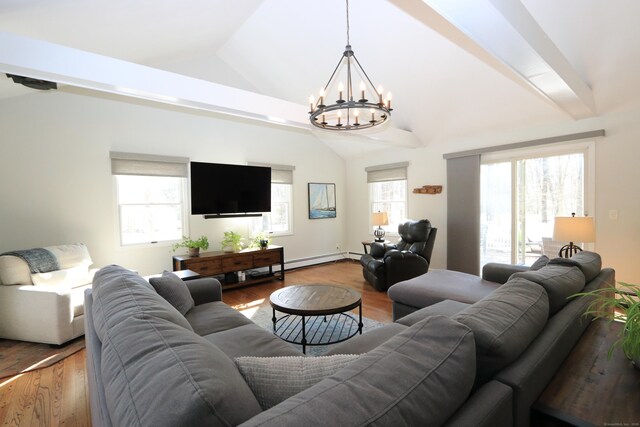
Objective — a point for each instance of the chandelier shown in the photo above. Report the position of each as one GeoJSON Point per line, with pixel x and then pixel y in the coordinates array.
{"type": "Point", "coordinates": [348, 113]}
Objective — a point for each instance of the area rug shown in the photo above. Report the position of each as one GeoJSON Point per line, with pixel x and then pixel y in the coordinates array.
{"type": "Point", "coordinates": [18, 357]}
{"type": "Point", "coordinates": [262, 317]}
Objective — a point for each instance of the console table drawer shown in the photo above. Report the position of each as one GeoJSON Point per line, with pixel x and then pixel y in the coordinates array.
{"type": "Point", "coordinates": [266, 258]}
{"type": "Point", "coordinates": [237, 263]}
{"type": "Point", "coordinates": [206, 267]}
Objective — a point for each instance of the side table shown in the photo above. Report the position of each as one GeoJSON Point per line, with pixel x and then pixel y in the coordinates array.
{"type": "Point", "coordinates": [367, 243]}
{"type": "Point", "coordinates": [588, 389]}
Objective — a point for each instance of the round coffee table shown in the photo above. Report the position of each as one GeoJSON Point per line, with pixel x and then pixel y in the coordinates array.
{"type": "Point", "coordinates": [326, 305]}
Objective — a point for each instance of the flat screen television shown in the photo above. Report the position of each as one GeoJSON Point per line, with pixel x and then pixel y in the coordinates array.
{"type": "Point", "coordinates": [219, 189]}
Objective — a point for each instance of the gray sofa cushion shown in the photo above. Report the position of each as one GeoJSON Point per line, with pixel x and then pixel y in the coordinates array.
{"type": "Point", "coordinates": [275, 379]}
{"type": "Point", "coordinates": [156, 373]}
{"type": "Point", "coordinates": [252, 340]}
{"type": "Point", "coordinates": [216, 316]}
{"type": "Point", "coordinates": [590, 263]}
{"type": "Point", "coordinates": [504, 324]}
{"type": "Point", "coordinates": [542, 261]}
{"type": "Point", "coordinates": [439, 285]}
{"type": "Point", "coordinates": [560, 282]}
{"type": "Point", "coordinates": [174, 290]}
{"type": "Point", "coordinates": [119, 294]}
{"type": "Point", "coordinates": [419, 377]}
{"type": "Point", "coordinates": [445, 308]}
{"type": "Point", "coordinates": [368, 340]}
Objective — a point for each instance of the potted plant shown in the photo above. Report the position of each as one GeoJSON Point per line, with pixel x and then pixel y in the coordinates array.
{"type": "Point", "coordinates": [260, 241]}
{"type": "Point", "coordinates": [622, 305]}
{"type": "Point", "coordinates": [193, 246]}
{"type": "Point", "coordinates": [232, 242]}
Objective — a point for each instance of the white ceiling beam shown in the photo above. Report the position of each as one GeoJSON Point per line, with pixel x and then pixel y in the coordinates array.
{"type": "Point", "coordinates": [48, 61]}
{"type": "Point", "coordinates": [506, 30]}
{"type": "Point", "coordinates": [64, 65]}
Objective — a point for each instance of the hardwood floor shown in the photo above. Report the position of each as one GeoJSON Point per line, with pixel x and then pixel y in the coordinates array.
{"type": "Point", "coordinates": [58, 396]}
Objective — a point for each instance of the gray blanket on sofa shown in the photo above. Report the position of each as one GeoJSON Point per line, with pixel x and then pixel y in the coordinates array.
{"type": "Point", "coordinates": [39, 260]}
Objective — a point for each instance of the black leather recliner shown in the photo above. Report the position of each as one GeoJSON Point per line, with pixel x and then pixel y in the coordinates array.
{"type": "Point", "coordinates": [410, 257]}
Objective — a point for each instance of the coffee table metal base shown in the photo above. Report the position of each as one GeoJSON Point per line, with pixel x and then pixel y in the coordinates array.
{"type": "Point", "coordinates": [317, 330]}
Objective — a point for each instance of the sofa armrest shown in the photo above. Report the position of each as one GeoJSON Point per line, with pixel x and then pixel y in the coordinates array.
{"type": "Point", "coordinates": [36, 313]}
{"type": "Point", "coordinates": [204, 290]}
{"type": "Point", "coordinates": [404, 265]}
{"type": "Point", "coordinates": [500, 273]}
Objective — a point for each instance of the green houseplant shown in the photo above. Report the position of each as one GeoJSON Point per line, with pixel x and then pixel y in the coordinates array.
{"type": "Point", "coordinates": [232, 241]}
{"type": "Point", "coordinates": [260, 241]}
{"type": "Point", "coordinates": [193, 246]}
{"type": "Point", "coordinates": [622, 305]}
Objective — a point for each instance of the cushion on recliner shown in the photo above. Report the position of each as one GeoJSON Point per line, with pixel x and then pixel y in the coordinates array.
{"type": "Point", "coordinates": [418, 377]}
{"type": "Point", "coordinates": [119, 293]}
{"type": "Point", "coordinates": [560, 282]}
{"type": "Point", "coordinates": [590, 263]}
{"type": "Point", "coordinates": [156, 373]}
{"type": "Point", "coordinates": [504, 323]}
{"type": "Point", "coordinates": [542, 261]}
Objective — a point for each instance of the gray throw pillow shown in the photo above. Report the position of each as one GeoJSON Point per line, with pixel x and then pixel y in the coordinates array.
{"type": "Point", "coordinates": [174, 290]}
{"type": "Point", "coordinates": [275, 379]}
{"type": "Point", "coordinates": [539, 263]}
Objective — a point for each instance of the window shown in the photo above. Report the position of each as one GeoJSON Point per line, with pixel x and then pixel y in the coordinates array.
{"type": "Point", "coordinates": [388, 193]}
{"type": "Point", "coordinates": [279, 220]}
{"type": "Point", "coordinates": [520, 198]}
{"type": "Point", "coordinates": [150, 194]}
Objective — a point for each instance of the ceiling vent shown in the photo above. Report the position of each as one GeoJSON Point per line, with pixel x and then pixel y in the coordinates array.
{"type": "Point", "coordinates": [33, 83]}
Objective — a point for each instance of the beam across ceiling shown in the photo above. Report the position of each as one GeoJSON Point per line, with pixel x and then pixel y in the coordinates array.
{"type": "Point", "coordinates": [506, 30]}
{"type": "Point", "coordinates": [67, 66]}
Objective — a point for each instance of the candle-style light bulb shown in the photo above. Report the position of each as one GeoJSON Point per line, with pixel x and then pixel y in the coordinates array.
{"type": "Point", "coordinates": [362, 88]}
{"type": "Point", "coordinates": [311, 101]}
{"type": "Point", "coordinates": [339, 117]}
{"type": "Point", "coordinates": [373, 118]}
{"type": "Point", "coordinates": [340, 89]}
{"type": "Point", "coordinates": [321, 102]}
{"type": "Point", "coordinates": [356, 113]}
{"type": "Point", "coordinates": [389, 101]}
{"type": "Point", "coordinates": [380, 93]}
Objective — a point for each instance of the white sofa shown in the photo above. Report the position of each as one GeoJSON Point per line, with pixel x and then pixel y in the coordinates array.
{"type": "Point", "coordinates": [45, 307]}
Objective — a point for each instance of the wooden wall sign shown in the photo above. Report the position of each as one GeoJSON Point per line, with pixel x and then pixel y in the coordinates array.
{"type": "Point", "coordinates": [428, 189]}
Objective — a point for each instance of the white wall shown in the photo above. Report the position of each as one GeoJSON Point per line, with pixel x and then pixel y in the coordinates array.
{"type": "Point", "coordinates": [56, 184]}
{"type": "Point", "coordinates": [617, 179]}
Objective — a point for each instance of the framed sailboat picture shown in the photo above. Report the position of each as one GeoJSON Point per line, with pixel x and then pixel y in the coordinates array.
{"type": "Point", "coordinates": [322, 200]}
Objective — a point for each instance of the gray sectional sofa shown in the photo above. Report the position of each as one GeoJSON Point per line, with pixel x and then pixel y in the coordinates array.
{"type": "Point", "coordinates": [151, 363]}
{"type": "Point", "coordinates": [538, 350]}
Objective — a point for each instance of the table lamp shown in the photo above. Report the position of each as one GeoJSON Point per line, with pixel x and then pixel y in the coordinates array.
{"type": "Point", "coordinates": [573, 229]}
{"type": "Point", "coordinates": [379, 219]}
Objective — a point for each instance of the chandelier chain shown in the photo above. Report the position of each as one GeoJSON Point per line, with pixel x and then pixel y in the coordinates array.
{"type": "Point", "coordinates": [348, 23]}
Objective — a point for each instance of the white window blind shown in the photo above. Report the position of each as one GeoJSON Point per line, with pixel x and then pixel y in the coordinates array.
{"type": "Point", "coordinates": [148, 165]}
{"type": "Point", "coordinates": [280, 174]}
{"type": "Point", "coordinates": [390, 172]}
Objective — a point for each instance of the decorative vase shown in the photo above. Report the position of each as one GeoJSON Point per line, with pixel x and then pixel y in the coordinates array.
{"type": "Point", "coordinates": [194, 251]}
{"type": "Point", "coordinates": [264, 243]}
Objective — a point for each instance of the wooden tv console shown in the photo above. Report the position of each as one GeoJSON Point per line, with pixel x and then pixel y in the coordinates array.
{"type": "Point", "coordinates": [222, 263]}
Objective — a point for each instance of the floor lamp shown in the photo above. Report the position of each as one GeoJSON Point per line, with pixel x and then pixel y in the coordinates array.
{"type": "Point", "coordinates": [573, 229]}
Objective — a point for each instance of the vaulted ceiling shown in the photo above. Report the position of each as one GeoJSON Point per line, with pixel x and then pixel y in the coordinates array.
{"type": "Point", "coordinates": [456, 68]}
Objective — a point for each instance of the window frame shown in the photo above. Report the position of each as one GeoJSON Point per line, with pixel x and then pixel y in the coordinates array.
{"type": "Point", "coordinates": [586, 148]}
{"type": "Point", "coordinates": [392, 228]}
{"type": "Point", "coordinates": [184, 189]}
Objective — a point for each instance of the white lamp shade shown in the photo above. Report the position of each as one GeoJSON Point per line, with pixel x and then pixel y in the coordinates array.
{"type": "Point", "coordinates": [379, 218]}
{"type": "Point", "coordinates": [574, 229]}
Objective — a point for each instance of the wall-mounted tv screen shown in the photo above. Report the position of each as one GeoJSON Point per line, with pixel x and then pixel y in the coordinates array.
{"type": "Point", "coordinates": [219, 189]}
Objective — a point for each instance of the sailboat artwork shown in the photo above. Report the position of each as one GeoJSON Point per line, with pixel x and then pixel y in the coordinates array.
{"type": "Point", "coordinates": [322, 200]}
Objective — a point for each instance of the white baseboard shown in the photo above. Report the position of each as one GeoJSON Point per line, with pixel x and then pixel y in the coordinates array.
{"type": "Point", "coordinates": [320, 259]}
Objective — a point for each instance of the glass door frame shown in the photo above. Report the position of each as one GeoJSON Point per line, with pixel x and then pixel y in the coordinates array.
{"type": "Point", "coordinates": [587, 148]}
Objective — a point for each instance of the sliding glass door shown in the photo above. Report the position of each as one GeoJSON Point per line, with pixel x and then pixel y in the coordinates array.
{"type": "Point", "coordinates": [520, 197]}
